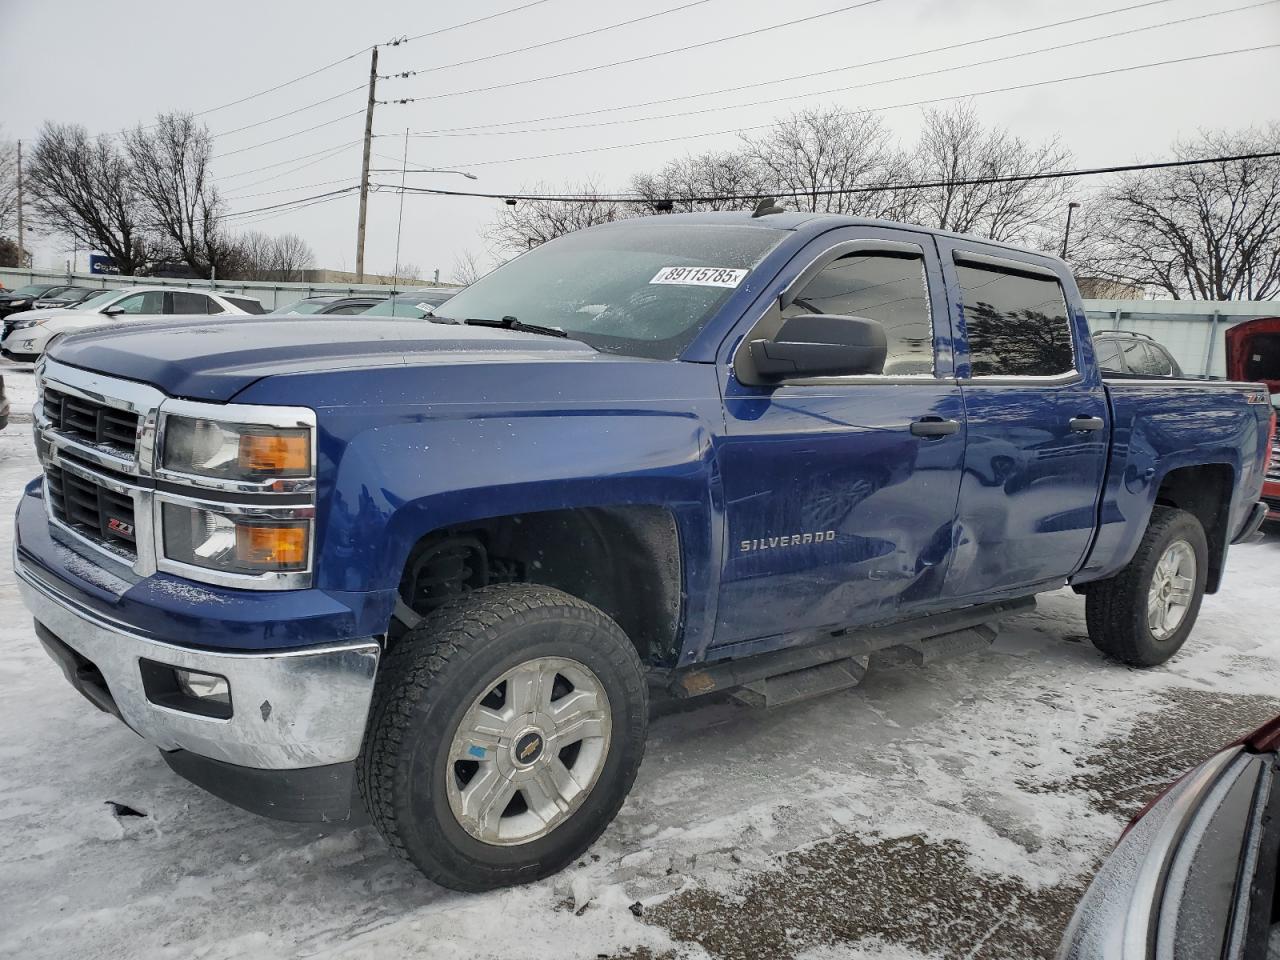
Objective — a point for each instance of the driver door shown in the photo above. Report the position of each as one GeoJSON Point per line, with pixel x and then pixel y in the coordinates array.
{"type": "Point", "coordinates": [840, 492]}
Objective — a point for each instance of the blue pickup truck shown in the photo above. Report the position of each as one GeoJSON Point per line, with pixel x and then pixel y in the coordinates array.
{"type": "Point", "coordinates": [441, 562]}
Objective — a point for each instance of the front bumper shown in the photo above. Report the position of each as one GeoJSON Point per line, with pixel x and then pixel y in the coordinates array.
{"type": "Point", "coordinates": [290, 709]}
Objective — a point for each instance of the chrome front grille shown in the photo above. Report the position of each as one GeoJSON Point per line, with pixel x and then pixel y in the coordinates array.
{"type": "Point", "coordinates": [1273, 465]}
{"type": "Point", "coordinates": [92, 421]}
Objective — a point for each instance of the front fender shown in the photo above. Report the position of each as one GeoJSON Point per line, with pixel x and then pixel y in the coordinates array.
{"type": "Point", "coordinates": [397, 482]}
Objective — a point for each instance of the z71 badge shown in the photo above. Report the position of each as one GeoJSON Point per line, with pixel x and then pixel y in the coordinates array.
{"type": "Point", "coordinates": [791, 540]}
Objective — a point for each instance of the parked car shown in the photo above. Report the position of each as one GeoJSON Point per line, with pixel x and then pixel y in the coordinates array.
{"type": "Point", "coordinates": [437, 557]}
{"type": "Point", "coordinates": [12, 301]}
{"type": "Point", "coordinates": [27, 336]}
{"type": "Point", "coordinates": [328, 306]}
{"type": "Point", "coordinates": [1133, 354]}
{"type": "Point", "coordinates": [1253, 353]}
{"type": "Point", "coordinates": [65, 297]}
{"type": "Point", "coordinates": [1194, 874]}
{"type": "Point", "coordinates": [4, 406]}
{"type": "Point", "coordinates": [416, 303]}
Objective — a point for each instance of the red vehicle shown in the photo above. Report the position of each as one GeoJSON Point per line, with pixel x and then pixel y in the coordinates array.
{"type": "Point", "coordinates": [1253, 354]}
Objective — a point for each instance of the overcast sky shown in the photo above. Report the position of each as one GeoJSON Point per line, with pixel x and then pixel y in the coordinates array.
{"type": "Point", "coordinates": [112, 65]}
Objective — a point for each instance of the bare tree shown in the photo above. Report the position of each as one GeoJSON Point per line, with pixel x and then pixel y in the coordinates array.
{"type": "Point", "coordinates": [705, 181]}
{"type": "Point", "coordinates": [466, 268]}
{"type": "Point", "coordinates": [1206, 232]}
{"type": "Point", "coordinates": [816, 158]}
{"type": "Point", "coordinates": [528, 223]}
{"type": "Point", "coordinates": [954, 146]}
{"type": "Point", "coordinates": [8, 188]}
{"type": "Point", "coordinates": [290, 256]}
{"type": "Point", "coordinates": [170, 170]}
{"type": "Point", "coordinates": [83, 188]}
{"type": "Point", "coordinates": [256, 256]}
{"type": "Point", "coordinates": [8, 253]}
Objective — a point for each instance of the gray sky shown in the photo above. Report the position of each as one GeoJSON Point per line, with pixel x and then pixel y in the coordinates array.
{"type": "Point", "coordinates": [110, 66]}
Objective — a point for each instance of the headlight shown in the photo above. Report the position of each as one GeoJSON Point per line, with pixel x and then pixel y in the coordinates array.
{"type": "Point", "coordinates": [24, 324]}
{"type": "Point", "coordinates": [235, 451]}
{"type": "Point", "coordinates": [231, 544]}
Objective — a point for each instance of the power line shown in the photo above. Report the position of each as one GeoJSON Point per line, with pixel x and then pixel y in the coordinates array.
{"type": "Point", "coordinates": [405, 74]}
{"type": "Point", "coordinates": [648, 56]}
{"type": "Point", "coordinates": [468, 23]}
{"type": "Point", "coordinates": [894, 106]}
{"type": "Point", "coordinates": [740, 87]}
{"type": "Point", "coordinates": [332, 151]}
{"type": "Point", "coordinates": [860, 86]}
{"type": "Point", "coordinates": [281, 86]}
{"type": "Point", "coordinates": [270, 193]}
{"type": "Point", "coordinates": [840, 191]}
{"type": "Point", "coordinates": [281, 116]}
{"type": "Point", "coordinates": [288, 136]}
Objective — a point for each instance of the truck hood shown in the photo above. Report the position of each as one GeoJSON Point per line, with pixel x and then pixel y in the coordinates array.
{"type": "Point", "coordinates": [216, 360]}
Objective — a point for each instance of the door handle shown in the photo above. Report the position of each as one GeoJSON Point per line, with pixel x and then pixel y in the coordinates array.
{"type": "Point", "coordinates": [934, 427]}
{"type": "Point", "coordinates": [1085, 424]}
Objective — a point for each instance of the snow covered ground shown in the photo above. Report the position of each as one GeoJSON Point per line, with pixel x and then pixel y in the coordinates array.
{"type": "Point", "coordinates": [952, 811]}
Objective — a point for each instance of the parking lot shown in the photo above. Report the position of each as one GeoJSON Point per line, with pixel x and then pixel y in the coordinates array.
{"type": "Point", "coordinates": [950, 811]}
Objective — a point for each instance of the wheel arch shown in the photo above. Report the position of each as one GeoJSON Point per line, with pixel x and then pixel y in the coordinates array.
{"type": "Point", "coordinates": [1205, 491]}
{"type": "Point", "coordinates": [624, 559]}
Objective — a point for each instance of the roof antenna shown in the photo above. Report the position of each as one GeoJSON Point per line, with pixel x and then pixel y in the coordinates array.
{"type": "Point", "coordinates": [766, 206]}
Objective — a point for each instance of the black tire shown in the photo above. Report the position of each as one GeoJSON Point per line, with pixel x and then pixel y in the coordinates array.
{"type": "Point", "coordinates": [1116, 609]}
{"type": "Point", "coordinates": [425, 686]}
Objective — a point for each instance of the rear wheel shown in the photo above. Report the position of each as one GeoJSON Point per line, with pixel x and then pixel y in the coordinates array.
{"type": "Point", "coordinates": [1144, 614]}
{"type": "Point", "coordinates": [506, 731]}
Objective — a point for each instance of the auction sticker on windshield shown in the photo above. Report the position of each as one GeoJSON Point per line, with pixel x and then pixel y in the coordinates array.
{"type": "Point", "coordinates": [700, 276]}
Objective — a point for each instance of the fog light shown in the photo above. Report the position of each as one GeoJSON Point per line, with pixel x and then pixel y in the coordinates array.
{"type": "Point", "coordinates": [203, 686]}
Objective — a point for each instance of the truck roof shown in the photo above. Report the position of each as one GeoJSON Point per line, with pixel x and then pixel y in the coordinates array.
{"type": "Point", "coordinates": [812, 224]}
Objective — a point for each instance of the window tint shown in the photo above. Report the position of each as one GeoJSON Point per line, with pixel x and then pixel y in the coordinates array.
{"type": "Point", "coordinates": [1017, 323]}
{"type": "Point", "coordinates": [881, 286]}
{"type": "Point", "coordinates": [1148, 360]}
{"type": "Point", "coordinates": [213, 306]}
{"type": "Point", "coordinates": [189, 302]}
{"type": "Point", "coordinates": [152, 301]}
{"type": "Point", "coordinates": [247, 304]}
{"type": "Point", "coordinates": [1108, 354]}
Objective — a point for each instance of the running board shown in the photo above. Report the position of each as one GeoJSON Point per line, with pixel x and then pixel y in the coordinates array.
{"type": "Point", "coordinates": [788, 688]}
{"type": "Point", "coordinates": [930, 639]}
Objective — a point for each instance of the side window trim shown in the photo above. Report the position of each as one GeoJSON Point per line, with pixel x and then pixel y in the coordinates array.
{"type": "Point", "coordinates": [838, 251]}
{"type": "Point", "coordinates": [970, 258]}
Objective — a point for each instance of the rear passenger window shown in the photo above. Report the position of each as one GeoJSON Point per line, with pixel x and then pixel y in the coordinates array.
{"type": "Point", "coordinates": [247, 304]}
{"type": "Point", "coordinates": [1108, 355]}
{"type": "Point", "coordinates": [1153, 362]}
{"type": "Point", "coordinates": [1017, 323]}
{"type": "Point", "coordinates": [887, 287]}
{"type": "Point", "coordinates": [188, 303]}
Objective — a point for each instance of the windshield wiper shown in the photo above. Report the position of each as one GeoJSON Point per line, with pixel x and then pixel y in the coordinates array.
{"type": "Point", "coordinates": [511, 323]}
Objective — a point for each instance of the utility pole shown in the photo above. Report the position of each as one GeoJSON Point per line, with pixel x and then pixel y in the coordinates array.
{"type": "Point", "coordinates": [395, 281]}
{"type": "Point", "coordinates": [364, 167]}
{"type": "Point", "coordinates": [1066, 234]}
{"type": "Point", "coordinates": [22, 260]}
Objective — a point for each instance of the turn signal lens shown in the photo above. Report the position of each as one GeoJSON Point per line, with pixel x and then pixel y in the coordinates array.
{"type": "Point", "coordinates": [286, 454]}
{"type": "Point", "coordinates": [275, 547]}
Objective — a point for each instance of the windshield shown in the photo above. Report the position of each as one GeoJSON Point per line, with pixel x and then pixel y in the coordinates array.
{"type": "Point", "coordinates": [302, 308]}
{"type": "Point", "coordinates": [643, 290]}
{"type": "Point", "coordinates": [101, 300]}
{"type": "Point", "coordinates": [32, 290]}
{"type": "Point", "coordinates": [415, 305]}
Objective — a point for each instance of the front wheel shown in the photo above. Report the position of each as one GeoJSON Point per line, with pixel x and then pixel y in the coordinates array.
{"type": "Point", "coordinates": [506, 732]}
{"type": "Point", "coordinates": [1144, 614]}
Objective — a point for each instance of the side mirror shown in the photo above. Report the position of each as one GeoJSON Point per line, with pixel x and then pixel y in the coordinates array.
{"type": "Point", "coordinates": [112, 311]}
{"type": "Point", "coordinates": [821, 345]}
